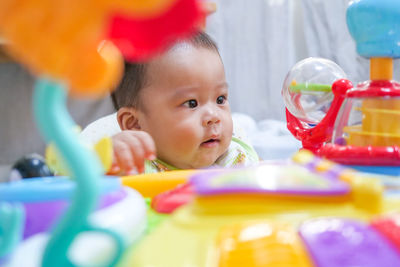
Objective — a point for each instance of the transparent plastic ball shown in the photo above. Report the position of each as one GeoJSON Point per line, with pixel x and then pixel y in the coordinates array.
{"type": "Point", "coordinates": [307, 89]}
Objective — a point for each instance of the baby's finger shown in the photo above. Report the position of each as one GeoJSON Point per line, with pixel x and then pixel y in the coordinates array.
{"type": "Point", "coordinates": [123, 156]}
{"type": "Point", "coordinates": [148, 145]}
{"type": "Point", "coordinates": [136, 149]}
{"type": "Point", "coordinates": [115, 169]}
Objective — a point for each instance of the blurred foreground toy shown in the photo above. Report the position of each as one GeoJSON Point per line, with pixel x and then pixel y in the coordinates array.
{"type": "Point", "coordinates": [167, 202]}
{"type": "Point", "coordinates": [140, 37]}
{"type": "Point", "coordinates": [274, 214]}
{"type": "Point", "coordinates": [152, 184]}
{"type": "Point", "coordinates": [365, 132]}
{"type": "Point", "coordinates": [82, 43]}
{"type": "Point", "coordinates": [103, 150]}
{"type": "Point", "coordinates": [310, 212]}
{"type": "Point", "coordinates": [44, 200]}
{"type": "Point", "coordinates": [29, 166]}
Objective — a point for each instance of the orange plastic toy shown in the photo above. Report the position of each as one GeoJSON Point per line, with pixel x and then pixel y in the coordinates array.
{"type": "Point", "coordinates": [67, 40]}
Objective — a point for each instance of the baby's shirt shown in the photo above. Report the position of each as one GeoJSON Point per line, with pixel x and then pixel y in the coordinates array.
{"type": "Point", "coordinates": [239, 153]}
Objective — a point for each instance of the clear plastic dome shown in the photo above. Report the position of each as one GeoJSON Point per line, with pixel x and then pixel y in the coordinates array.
{"type": "Point", "coordinates": [368, 122]}
{"type": "Point", "coordinates": [307, 88]}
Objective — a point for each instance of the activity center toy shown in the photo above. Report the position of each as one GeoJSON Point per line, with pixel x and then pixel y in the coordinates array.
{"type": "Point", "coordinates": [29, 166]}
{"type": "Point", "coordinates": [307, 211]}
{"type": "Point", "coordinates": [356, 126]}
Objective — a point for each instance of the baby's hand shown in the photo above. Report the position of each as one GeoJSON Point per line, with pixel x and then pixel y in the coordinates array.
{"type": "Point", "coordinates": [131, 148]}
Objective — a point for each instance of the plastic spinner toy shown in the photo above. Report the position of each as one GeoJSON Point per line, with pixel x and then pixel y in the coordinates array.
{"type": "Point", "coordinates": [365, 132]}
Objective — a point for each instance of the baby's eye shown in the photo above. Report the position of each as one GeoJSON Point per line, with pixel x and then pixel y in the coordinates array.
{"type": "Point", "coordinates": [190, 103]}
{"type": "Point", "coordinates": [221, 99]}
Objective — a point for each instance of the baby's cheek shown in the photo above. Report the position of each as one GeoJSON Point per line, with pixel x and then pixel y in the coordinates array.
{"type": "Point", "coordinates": [186, 139]}
{"type": "Point", "coordinates": [225, 145]}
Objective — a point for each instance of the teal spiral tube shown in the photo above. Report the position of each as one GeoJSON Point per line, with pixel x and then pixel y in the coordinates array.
{"type": "Point", "coordinates": [57, 126]}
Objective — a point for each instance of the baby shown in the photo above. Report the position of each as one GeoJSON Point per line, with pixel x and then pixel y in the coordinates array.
{"type": "Point", "coordinates": [174, 113]}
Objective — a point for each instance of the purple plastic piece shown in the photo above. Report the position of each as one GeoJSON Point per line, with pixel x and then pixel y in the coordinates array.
{"type": "Point", "coordinates": [333, 173]}
{"type": "Point", "coordinates": [3, 260]}
{"type": "Point", "coordinates": [347, 243]}
{"type": "Point", "coordinates": [268, 181]}
{"type": "Point", "coordinates": [40, 216]}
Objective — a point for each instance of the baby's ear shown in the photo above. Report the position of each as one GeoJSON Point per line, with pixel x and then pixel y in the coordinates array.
{"type": "Point", "coordinates": [128, 118]}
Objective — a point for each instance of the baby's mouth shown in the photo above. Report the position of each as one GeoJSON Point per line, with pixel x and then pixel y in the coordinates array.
{"type": "Point", "coordinates": [210, 142]}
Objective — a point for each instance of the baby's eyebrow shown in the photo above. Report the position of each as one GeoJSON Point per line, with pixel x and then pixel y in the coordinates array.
{"type": "Point", "coordinates": [223, 85]}
{"type": "Point", "coordinates": [185, 90]}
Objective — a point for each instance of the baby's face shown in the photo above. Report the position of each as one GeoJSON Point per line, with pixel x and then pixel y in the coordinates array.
{"type": "Point", "coordinates": [186, 108]}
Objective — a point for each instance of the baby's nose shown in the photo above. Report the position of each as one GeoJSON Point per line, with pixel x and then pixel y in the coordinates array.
{"type": "Point", "coordinates": [211, 116]}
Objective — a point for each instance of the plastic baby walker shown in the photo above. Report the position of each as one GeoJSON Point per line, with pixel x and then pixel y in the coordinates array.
{"type": "Point", "coordinates": [357, 126]}
{"type": "Point", "coordinates": [308, 212]}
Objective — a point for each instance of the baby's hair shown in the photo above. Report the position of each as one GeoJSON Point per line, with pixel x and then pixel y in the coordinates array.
{"type": "Point", "coordinates": [135, 78]}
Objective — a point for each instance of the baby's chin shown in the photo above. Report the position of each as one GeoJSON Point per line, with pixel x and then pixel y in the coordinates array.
{"type": "Point", "coordinates": [201, 160]}
{"type": "Point", "coordinates": [206, 162]}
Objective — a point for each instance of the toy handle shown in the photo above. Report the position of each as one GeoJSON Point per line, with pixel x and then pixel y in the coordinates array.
{"type": "Point", "coordinates": [312, 138]}
{"type": "Point", "coordinates": [12, 218]}
{"type": "Point", "coordinates": [57, 126]}
{"type": "Point", "coordinates": [118, 241]}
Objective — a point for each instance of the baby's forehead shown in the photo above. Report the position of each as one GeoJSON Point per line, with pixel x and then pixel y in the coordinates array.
{"type": "Point", "coordinates": [175, 50]}
{"type": "Point", "coordinates": [177, 54]}
{"type": "Point", "coordinates": [182, 46]}
{"type": "Point", "coordinates": [182, 50]}
{"type": "Point", "coordinates": [183, 63]}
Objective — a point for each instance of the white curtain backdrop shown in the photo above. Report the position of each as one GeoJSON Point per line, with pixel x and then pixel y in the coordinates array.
{"type": "Point", "coordinates": [256, 44]}
{"type": "Point", "coordinates": [326, 35]}
{"type": "Point", "coordinates": [260, 40]}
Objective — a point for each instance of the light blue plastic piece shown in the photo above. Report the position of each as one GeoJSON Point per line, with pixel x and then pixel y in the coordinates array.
{"type": "Point", "coordinates": [385, 170]}
{"type": "Point", "coordinates": [375, 26]}
{"type": "Point", "coordinates": [49, 189]}
{"type": "Point", "coordinates": [57, 127]}
{"type": "Point", "coordinates": [12, 222]}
